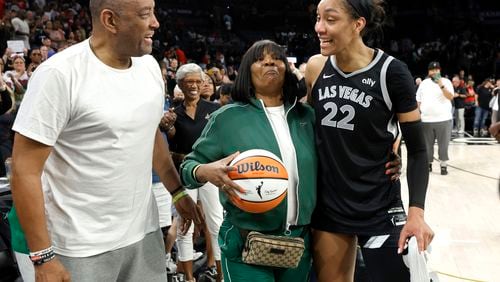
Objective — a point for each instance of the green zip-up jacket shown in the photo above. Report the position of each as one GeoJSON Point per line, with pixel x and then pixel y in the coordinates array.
{"type": "Point", "coordinates": [241, 127]}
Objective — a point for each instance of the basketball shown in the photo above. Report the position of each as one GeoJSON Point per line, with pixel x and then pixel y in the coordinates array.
{"type": "Point", "coordinates": [264, 177]}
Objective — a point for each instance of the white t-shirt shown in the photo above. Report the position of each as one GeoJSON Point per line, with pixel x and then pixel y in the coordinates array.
{"type": "Point", "coordinates": [101, 123]}
{"type": "Point", "coordinates": [434, 107]}
{"type": "Point", "coordinates": [22, 26]}
{"type": "Point", "coordinates": [279, 124]}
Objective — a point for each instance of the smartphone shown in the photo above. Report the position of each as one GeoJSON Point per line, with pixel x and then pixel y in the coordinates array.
{"type": "Point", "coordinates": [436, 77]}
{"type": "Point", "coordinates": [292, 59]}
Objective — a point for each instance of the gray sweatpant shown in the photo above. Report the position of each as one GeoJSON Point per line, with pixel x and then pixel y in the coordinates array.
{"type": "Point", "coordinates": [440, 131]}
{"type": "Point", "coordinates": [142, 261]}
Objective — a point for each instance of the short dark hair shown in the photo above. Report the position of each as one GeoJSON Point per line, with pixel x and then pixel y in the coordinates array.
{"type": "Point", "coordinates": [225, 89]}
{"type": "Point", "coordinates": [96, 6]}
{"type": "Point", "coordinates": [243, 88]}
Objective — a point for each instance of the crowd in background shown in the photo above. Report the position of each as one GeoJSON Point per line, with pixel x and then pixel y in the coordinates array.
{"type": "Point", "coordinates": [215, 35]}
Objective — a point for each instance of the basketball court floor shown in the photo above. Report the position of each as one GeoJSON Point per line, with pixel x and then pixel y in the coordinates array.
{"type": "Point", "coordinates": [463, 209]}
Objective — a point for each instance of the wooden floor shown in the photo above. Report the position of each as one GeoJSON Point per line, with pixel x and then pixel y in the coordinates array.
{"type": "Point", "coordinates": [463, 209]}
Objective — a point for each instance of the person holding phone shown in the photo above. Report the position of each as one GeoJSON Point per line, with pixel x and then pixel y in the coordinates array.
{"type": "Point", "coordinates": [434, 96]}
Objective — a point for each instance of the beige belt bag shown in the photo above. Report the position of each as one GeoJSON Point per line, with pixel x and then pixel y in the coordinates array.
{"type": "Point", "coordinates": [271, 250]}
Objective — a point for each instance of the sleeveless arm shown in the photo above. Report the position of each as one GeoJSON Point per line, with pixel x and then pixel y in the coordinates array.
{"type": "Point", "coordinates": [313, 70]}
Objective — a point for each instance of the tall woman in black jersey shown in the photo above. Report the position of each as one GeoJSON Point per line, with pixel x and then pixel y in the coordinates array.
{"type": "Point", "coordinates": [359, 95]}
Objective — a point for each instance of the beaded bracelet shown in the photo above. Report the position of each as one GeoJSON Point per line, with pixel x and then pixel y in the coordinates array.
{"type": "Point", "coordinates": [43, 256]}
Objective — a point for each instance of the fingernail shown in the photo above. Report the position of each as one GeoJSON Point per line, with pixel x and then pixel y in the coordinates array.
{"type": "Point", "coordinates": [399, 251]}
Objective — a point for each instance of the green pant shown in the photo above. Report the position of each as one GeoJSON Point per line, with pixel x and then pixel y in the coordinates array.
{"type": "Point", "coordinates": [235, 270]}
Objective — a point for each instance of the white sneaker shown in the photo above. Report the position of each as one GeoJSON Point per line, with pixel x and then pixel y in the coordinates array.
{"type": "Point", "coordinates": [171, 265]}
{"type": "Point", "coordinates": [197, 255]}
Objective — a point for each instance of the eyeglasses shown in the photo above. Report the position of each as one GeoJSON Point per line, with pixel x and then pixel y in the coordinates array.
{"type": "Point", "coordinates": [191, 82]}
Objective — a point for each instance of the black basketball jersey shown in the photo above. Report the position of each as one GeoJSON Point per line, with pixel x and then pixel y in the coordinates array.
{"type": "Point", "coordinates": [356, 125]}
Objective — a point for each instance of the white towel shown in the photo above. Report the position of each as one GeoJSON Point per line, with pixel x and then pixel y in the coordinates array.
{"type": "Point", "coordinates": [416, 262]}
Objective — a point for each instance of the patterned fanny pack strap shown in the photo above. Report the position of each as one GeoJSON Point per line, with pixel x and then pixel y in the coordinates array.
{"type": "Point", "coordinates": [244, 232]}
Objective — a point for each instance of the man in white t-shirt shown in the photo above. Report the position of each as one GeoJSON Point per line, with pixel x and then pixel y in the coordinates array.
{"type": "Point", "coordinates": [434, 96]}
{"type": "Point", "coordinates": [86, 141]}
{"type": "Point", "coordinates": [21, 26]}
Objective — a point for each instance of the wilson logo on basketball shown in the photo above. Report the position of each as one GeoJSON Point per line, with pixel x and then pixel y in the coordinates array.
{"type": "Point", "coordinates": [264, 178]}
{"type": "Point", "coordinates": [256, 166]}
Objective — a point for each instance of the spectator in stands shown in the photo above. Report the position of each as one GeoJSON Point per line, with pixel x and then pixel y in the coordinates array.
{"type": "Point", "coordinates": [71, 39]}
{"type": "Point", "coordinates": [47, 42]}
{"type": "Point", "coordinates": [459, 95]}
{"type": "Point", "coordinates": [35, 60]}
{"type": "Point", "coordinates": [434, 96]}
{"type": "Point", "coordinates": [18, 76]}
{"type": "Point", "coordinates": [181, 56]}
{"type": "Point", "coordinates": [55, 32]}
{"type": "Point", "coordinates": [225, 93]}
{"type": "Point", "coordinates": [300, 77]}
{"type": "Point", "coordinates": [37, 32]}
{"type": "Point", "coordinates": [461, 75]}
{"type": "Point", "coordinates": [170, 72]}
{"type": "Point", "coordinates": [7, 59]}
{"type": "Point", "coordinates": [483, 97]}
{"type": "Point", "coordinates": [21, 26]}
{"type": "Point", "coordinates": [470, 100]}
{"type": "Point", "coordinates": [216, 74]}
{"type": "Point", "coordinates": [191, 117]}
{"type": "Point", "coordinates": [208, 87]}
{"type": "Point", "coordinates": [7, 115]}
{"type": "Point", "coordinates": [177, 96]}
{"type": "Point", "coordinates": [231, 72]}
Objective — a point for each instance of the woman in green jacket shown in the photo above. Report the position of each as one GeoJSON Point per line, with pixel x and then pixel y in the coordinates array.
{"type": "Point", "coordinates": [266, 115]}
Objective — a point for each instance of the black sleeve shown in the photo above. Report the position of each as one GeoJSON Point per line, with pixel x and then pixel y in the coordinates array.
{"type": "Point", "coordinates": [6, 101]}
{"type": "Point", "coordinates": [302, 88]}
{"type": "Point", "coordinates": [401, 87]}
{"type": "Point", "coordinates": [417, 171]}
